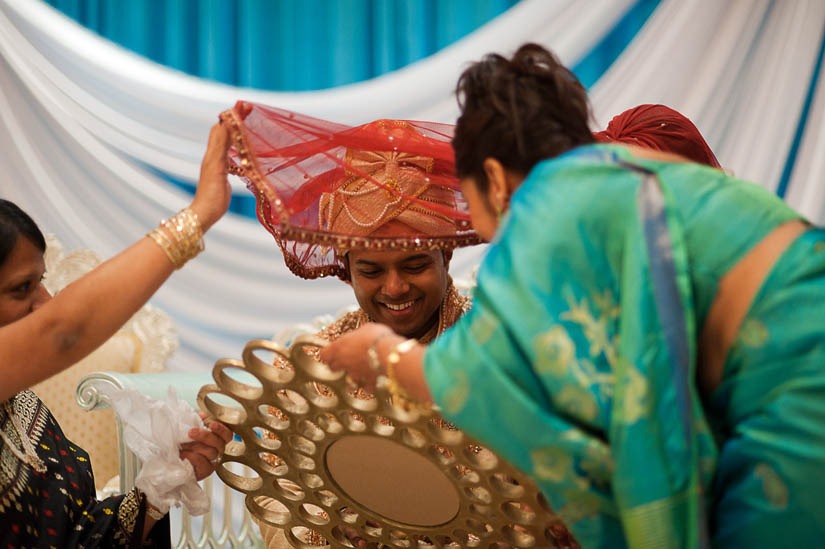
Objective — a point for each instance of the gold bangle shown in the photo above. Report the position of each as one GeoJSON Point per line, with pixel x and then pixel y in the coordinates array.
{"type": "Point", "coordinates": [397, 350]}
{"type": "Point", "coordinates": [177, 249]}
{"type": "Point", "coordinates": [397, 392]}
{"type": "Point", "coordinates": [180, 237]}
{"type": "Point", "coordinates": [162, 239]}
{"type": "Point", "coordinates": [373, 360]}
{"type": "Point", "coordinates": [186, 230]}
{"type": "Point", "coordinates": [153, 512]}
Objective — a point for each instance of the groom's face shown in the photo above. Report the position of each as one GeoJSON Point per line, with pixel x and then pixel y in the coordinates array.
{"type": "Point", "coordinates": [403, 290]}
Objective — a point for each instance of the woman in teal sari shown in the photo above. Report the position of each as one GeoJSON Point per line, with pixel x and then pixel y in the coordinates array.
{"type": "Point", "coordinates": [647, 337]}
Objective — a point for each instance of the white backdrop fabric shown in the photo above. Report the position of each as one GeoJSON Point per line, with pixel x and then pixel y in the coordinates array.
{"type": "Point", "coordinates": [89, 125]}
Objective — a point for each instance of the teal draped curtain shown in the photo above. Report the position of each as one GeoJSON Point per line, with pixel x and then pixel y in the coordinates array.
{"type": "Point", "coordinates": [287, 45]}
{"type": "Point", "coordinates": [299, 45]}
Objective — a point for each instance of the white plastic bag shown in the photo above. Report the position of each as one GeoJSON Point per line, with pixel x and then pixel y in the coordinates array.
{"type": "Point", "coordinates": [154, 430]}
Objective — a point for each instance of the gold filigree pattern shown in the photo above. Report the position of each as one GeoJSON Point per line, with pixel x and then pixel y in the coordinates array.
{"type": "Point", "coordinates": [127, 514]}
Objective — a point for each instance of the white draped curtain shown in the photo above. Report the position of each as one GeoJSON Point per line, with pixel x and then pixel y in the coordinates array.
{"type": "Point", "coordinates": [91, 128]}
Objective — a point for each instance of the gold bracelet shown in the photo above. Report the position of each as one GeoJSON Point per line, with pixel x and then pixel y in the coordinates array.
{"type": "Point", "coordinates": [373, 359]}
{"type": "Point", "coordinates": [180, 237]}
{"type": "Point", "coordinates": [162, 239]}
{"type": "Point", "coordinates": [186, 230]}
{"type": "Point", "coordinates": [153, 512]}
{"type": "Point", "coordinates": [397, 392]}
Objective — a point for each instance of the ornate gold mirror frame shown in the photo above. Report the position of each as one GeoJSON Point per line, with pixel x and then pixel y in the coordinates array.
{"type": "Point", "coordinates": [336, 462]}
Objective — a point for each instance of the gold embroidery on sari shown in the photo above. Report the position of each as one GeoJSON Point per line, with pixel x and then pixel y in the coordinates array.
{"type": "Point", "coordinates": [456, 396]}
{"type": "Point", "coordinates": [634, 402]}
{"type": "Point", "coordinates": [753, 333]}
{"type": "Point", "coordinates": [595, 328]}
{"type": "Point", "coordinates": [774, 488]}
{"type": "Point", "coordinates": [483, 326]}
{"type": "Point", "coordinates": [554, 351]}
{"type": "Point", "coordinates": [14, 474]}
{"type": "Point", "coordinates": [578, 506]}
{"type": "Point", "coordinates": [625, 383]}
{"type": "Point", "coordinates": [578, 402]}
{"type": "Point", "coordinates": [651, 524]}
{"type": "Point", "coordinates": [127, 514]}
{"type": "Point", "coordinates": [553, 464]}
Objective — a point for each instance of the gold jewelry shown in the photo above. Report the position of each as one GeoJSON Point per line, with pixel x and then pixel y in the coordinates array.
{"type": "Point", "coordinates": [373, 359]}
{"type": "Point", "coordinates": [180, 237]}
{"type": "Point", "coordinates": [500, 211]}
{"type": "Point", "coordinates": [153, 512]}
{"type": "Point", "coordinates": [394, 388]}
{"type": "Point", "coordinates": [28, 455]}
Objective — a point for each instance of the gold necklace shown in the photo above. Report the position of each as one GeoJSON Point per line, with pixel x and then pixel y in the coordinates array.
{"type": "Point", "coordinates": [28, 455]}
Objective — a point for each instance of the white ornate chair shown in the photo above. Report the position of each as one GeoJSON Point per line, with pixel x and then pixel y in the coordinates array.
{"type": "Point", "coordinates": [227, 524]}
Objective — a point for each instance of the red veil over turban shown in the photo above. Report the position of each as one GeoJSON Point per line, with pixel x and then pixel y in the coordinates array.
{"type": "Point", "coordinates": [660, 128]}
{"type": "Point", "coordinates": [323, 188]}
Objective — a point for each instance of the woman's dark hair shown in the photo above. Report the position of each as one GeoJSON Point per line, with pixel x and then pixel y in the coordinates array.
{"type": "Point", "coordinates": [518, 111]}
{"type": "Point", "coordinates": [13, 223]}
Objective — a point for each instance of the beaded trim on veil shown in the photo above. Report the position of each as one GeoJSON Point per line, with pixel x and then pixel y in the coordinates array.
{"type": "Point", "coordinates": [323, 189]}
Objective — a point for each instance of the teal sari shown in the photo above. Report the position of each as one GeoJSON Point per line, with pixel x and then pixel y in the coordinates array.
{"type": "Point", "coordinates": [577, 361]}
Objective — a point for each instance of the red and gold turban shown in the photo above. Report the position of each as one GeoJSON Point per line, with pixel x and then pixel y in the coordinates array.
{"type": "Point", "coordinates": [324, 188]}
{"type": "Point", "coordinates": [660, 128]}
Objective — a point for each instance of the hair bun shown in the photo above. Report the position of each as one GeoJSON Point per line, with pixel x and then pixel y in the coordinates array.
{"type": "Point", "coordinates": [533, 60]}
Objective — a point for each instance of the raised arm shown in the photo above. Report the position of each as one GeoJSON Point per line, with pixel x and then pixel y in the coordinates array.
{"type": "Point", "coordinates": [89, 311]}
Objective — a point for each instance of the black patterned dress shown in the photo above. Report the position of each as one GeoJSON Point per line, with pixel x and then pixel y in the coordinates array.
{"type": "Point", "coordinates": [58, 509]}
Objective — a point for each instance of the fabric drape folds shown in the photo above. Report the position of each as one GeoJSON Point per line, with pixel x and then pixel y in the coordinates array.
{"type": "Point", "coordinates": [284, 45]}
{"type": "Point", "coordinates": [588, 355]}
{"type": "Point", "coordinates": [577, 361]}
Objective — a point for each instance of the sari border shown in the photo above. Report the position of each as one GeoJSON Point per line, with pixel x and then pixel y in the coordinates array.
{"type": "Point", "coordinates": [659, 243]}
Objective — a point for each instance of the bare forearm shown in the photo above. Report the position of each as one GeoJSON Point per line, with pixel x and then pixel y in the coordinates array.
{"type": "Point", "coordinates": [97, 305]}
{"type": "Point", "coordinates": [81, 317]}
{"type": "Point", "coordinates": [88, 312]}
